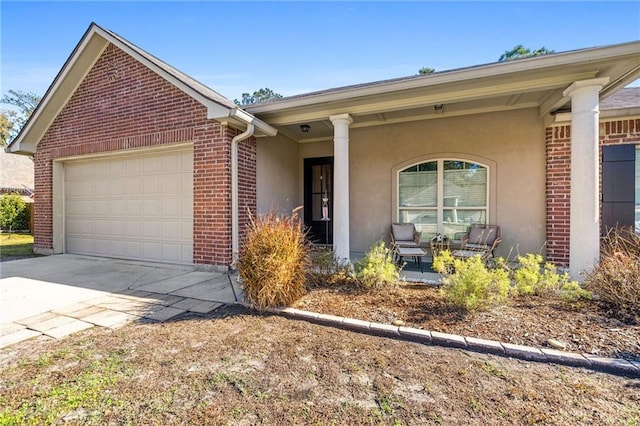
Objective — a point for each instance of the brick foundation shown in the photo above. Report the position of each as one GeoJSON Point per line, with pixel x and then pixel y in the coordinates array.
{"type": "Point", "coordinates": [123, 105]}
{"type": "Point", "coordinates": [558, 178]}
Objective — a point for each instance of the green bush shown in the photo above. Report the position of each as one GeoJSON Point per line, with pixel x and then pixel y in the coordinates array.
{"type": "Point", "coordinates": [469, 284]}
{"type": "Point", "coordinates": [327, 270]}
{"type": "Point", "coordinates": [274, 261]}
{"type": "Point", "coordinates": [14, 212]}
{"type": "Point", "coordinates": [377, 269]}
{"type": "Point", "coordinates": [533, 277]}
{"type": "Point", "coordinates": [616, 278]}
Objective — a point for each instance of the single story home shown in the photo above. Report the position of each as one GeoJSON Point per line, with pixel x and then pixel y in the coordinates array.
{"type": "Point", "coordinates": [16, 175]}
{"type": "Point", "coordinates": [136, 160]}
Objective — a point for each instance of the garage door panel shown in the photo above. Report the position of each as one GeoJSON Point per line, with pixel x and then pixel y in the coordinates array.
{"type": "Point", "coordinates": [103, 247]}
{"type": "Point", "coordinates": [118, 248]}
{"type": "Point", "coordinates": [171, 207]}
{"type": "Point", "coordinates": [133, 186]}
{"type": "Point", "coordinates": [116, 208]}
{"type": "Point", "coordinates": [151, 230]}
{"type": "Point", "coordinates": [101, 227]}
{"type": "Point", "coordinates": [101, 188]}
{"type": "Point", "coordinates": [116, 186]}
{"type": "Point", "coordinates": [151, 185]}
{"type": "Point", "coordinates": [187, 230]}
{"type": "Point", "coordinates": [133, 207]}
{"type": "Point", "coordinates": [136, 207]}
{"type": "Point", "coordinates": [152, 164]}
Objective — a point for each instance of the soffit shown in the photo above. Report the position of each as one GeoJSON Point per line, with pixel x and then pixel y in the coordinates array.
{"type": "Point", "coordinates": [530, 83]}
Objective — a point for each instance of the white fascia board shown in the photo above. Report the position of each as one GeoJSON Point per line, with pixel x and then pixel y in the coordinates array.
{"type": "Point", "coordinates": [482, 71]}
{"type": "Point", "coordinates": [221, 113]}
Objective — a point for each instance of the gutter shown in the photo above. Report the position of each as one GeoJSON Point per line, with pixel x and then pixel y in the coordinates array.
{"type": "Point", "coordinates": [235, 225]}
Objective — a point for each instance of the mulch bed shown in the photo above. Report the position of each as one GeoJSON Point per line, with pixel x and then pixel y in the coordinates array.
{"type": "Point", "coordinates": [531, 321]}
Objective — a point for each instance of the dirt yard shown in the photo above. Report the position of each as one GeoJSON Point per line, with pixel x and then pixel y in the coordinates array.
{"type": "Point", "coordinates": [241, 368]}
{"type": "Point", "coordinates": [531, 321]}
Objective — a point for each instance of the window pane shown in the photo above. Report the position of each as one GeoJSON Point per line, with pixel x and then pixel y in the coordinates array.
{"type": "Point", "coordinates": [418, 185]}
{"type": "Point", "coordinates": [465, 184]}
{"type": "Point", "coordinates": [426, 221]}
{"type": "Point", "coordinates": [459, 220]}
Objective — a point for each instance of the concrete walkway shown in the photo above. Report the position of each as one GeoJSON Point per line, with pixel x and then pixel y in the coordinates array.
{"type": "Point", "coordinates": [62, 294]}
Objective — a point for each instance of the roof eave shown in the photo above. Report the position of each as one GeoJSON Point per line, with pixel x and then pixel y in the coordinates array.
{"type": "Point", "coordinates": [81, 60]}
{"type": "Point", "coordinates": [478, 72]}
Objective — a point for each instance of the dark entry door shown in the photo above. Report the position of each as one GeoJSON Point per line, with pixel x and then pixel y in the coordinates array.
{"type": "Point", "coordinates": [318, 199]}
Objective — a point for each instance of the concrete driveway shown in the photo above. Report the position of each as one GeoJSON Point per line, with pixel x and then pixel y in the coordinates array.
{"type": "Point", "coordinates": [62, 294]}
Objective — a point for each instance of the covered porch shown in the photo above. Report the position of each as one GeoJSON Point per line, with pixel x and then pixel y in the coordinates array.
{"type": "Point", "coordinates": [397, 149]}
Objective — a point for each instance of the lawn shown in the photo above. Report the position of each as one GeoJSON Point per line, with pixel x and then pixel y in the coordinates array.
{"type": "Point", "coordinates": [235, 366]}
{"type": "Point", "coordinates": [14, 246]}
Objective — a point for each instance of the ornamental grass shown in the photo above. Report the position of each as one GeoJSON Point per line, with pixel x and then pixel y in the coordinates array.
{"type": "Point", "coordinates": [274, 261]}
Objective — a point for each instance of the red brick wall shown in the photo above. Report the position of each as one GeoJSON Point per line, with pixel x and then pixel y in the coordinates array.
{"type": "Point", "coordinates": [558, 177]}
{"type": "Point", "coordinates": [121, 105]}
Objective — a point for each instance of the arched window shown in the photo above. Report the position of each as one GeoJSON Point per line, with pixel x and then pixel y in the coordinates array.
{"type": "Point", "coordinates": [443, 195]}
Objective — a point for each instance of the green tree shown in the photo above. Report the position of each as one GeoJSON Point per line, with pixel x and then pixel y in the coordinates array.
{"type": "Point", "coordinates": [519, 52]}
{"type": "Point", "coordinates": [13, 212]}
{"type": "Point", "coordinates": [426, 70]}
{"type": "Point", "coordinates": [6, 126]}
{"type": "Point", "coordinates": [12, 120]}
{"type": "Point", "coordinates": [261, 95]}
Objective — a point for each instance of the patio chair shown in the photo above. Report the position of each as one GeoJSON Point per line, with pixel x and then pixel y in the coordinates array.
{"type": "Point", "coordinates": [404, 235]}
{"type": "Point", "coordinates": [480, 240]}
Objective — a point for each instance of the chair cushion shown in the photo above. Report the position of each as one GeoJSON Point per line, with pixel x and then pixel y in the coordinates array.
{"type": "Point", "coordinates": [483, 236]}
{"type": "Point", "coordinates": [406, 243]}
{"type": "Point", "coordinates": [402, 231]}
{"type": "Point", "coordinates": [477, 247]}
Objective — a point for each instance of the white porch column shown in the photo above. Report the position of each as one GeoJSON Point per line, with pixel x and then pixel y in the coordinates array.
{"type": "Point", "coordinates": [584, 232]}
{"type": "Point", "coordinates": [341, 124]}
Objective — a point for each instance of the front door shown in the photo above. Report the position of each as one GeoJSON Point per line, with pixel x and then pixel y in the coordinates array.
{"type": "Point", "coordinates": [318, 199]}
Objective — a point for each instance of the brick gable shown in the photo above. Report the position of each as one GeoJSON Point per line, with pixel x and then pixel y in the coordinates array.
{"type": "Point", "coordinates": [120, 105]}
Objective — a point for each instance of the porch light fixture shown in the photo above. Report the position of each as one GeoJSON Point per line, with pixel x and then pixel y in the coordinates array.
{"type": "Point", "coordinates": [439, 108]}
{"type": "Point", "coordinates": [305, 128]}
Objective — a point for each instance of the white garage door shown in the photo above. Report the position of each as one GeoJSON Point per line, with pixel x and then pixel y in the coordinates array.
{"type": "Point", "coordinates": [138, 206]}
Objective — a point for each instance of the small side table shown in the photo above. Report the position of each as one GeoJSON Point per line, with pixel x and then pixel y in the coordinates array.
{"type": "Point", "coordinates": [417, 253]}
{"type": "Point", "coordinates": [437, 246]}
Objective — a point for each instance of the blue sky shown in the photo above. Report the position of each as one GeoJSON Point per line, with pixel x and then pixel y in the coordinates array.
{"type": "Point", "coordinates": [296, 47]}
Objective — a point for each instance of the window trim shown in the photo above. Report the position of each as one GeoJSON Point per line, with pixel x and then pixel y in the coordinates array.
{"type": "Point", "coordinates": [490, 165]}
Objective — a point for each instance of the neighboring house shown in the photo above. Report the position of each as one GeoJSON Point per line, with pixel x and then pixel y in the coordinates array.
{"type": "Point", "coordinates": [136, 160]}
{"type": "Point", "coordinates": [16, 175]}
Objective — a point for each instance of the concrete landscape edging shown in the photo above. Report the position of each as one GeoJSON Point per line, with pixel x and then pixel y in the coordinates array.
{"type": "Point", "coordinates": [527, 353]}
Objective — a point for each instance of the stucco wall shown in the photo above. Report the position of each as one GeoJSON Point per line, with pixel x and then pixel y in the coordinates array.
{"type": "Point", "coordinates": [514, 140]}
{"type": "Point", "coordinates": [277, 175]}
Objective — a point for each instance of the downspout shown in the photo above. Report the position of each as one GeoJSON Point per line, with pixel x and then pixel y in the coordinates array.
{"type": "Point", "coordinates": [235, 225]}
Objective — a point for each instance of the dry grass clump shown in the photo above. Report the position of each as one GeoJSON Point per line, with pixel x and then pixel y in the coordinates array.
{"type": "Point", "coordinates": [616, 279]}
{"type": "Point", "coordinates": [274, 261]}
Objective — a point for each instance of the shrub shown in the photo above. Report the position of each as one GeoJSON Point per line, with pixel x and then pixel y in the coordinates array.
{"type": "Point", "coordinates": [531, 276]}
{"type": "Point", "coordinates": [471, 285]}
{"type": "Point", "coordinates": [14, 213]}
{"type": "Point", "coordinates": [326, 269]}
{"type": "Point", "coordinates": [274, 261]}
{"type": "Point", "coordinates": [616, 278]}
{"type": "Point", "coordinates": [377, 269]}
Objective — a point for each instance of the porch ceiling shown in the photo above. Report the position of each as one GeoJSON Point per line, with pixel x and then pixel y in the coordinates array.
{"type": "Point", "coordinates": [528, 83]}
